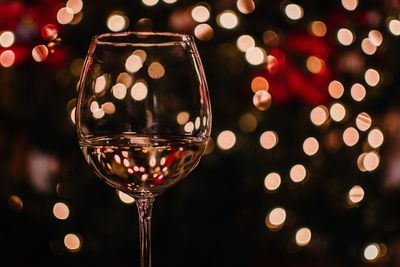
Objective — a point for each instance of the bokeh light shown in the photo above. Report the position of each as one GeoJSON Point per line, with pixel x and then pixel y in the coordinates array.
{"type": "Point", "coordinates": [268, 139]}
{"type": "Point", "coordinates": [355, 195]}
{"type": "Point", "coordinates": [358, 92]}
{"type": "Point", "coordinates": [119, 91]}
{"type": "Point", "coordinates": [245, 42]}
{"type": "Point", "coordinates": [15, 203]}
{"type": "Point", "coordinates": [182, 117]}
{"type": "Point", "coordinates": [319, 115]}
{"type": "Point", "coordinates": [310, 146]}
{"type": "Point", "coordinates": [372, 77]}
{"type": "Point", "coordinates": [117, 22]}
{"type": "Point", "coordinates": [371, 161]}
{"type": "Point", "coordinates": [150, 2]}
{"type": "Point", "coordinates": [156, 70]}
{"type": "Point", "coordinates": [350, 136]}
{"type": "Point", "coordinates": [350, 4]}
{"type": "Point", "coordinates": [133, 63]}
{"type": "Point", "coordinates": [368, 47]}
{"type": "Point", "coordinates": [315, 65]}
{"type": "Point", "coordinates": [189, 127]}
{"type": "Point", "coordinates": [303, 236]}
{"type": "Point", "coordinates": [271, 38]}
{"type": "Point", "coordinates": [61, 211]}
{"type": "Point", "coordinates": [7, 39]}
{"type": "Point", "coordinates": [375, 37]}
{"type": "Point", "coordinates": [170, 1]}
{"type": "Point", "coordinates": [363, 121]}
{"type": "Point", "coordinates": [108, 107]}
{"type": "Point", "coordinates": [375, 138]}
{"type": "Point", "coordinates": [204, 32]}
{"type": "Point", "coordinates": [255, 55]}
{"type": "Point", "coordinates": [65, 15]}
{"type": "Point", "coordinates": [247, 122]}
{"type": "Point", "coordinates": [272, 181]}
{"type": "Point", "coordinates": [259, 83]}
{"type": "Point", "coordinates": [100, 84]}
{"type": "Point", "coordinates": [262, 100]}
{"type": "Point", "coordinates": [75, 5]}
{"type": "Point", "coordinates": [40, 53]}
{"type": "Point", "coordinates": [371, 252]}
{"type": "Point", "coordinates": [125, 198]}
{"type": "Point", "coordinates": [275, 218]}
{"type": "Point", "coordinates": [139, 91]}
{"type": "Point", "coordinates": [226, 140]}
{"type": "Point", "coordinates": [200, 13]}
{"type": "Point", "coordinates": [228, 19]}
{"type": "Point", "coordinates": [394, 27]}
{"type": "Point", "coordinates": [245, 6]}
{"type": "Point", "coordinates": [338, 112]}
{"type": "Point", "coordinates": [345, 36]}
{"type": "Point", "coordinates": [7, 58]}
{"type": "Point", "coordinates": [298, 173]}
{"type": "Point", "coordinates": [318, 28]}
{"type": "Point", "coordinates": [294, 11]}
{"type": "Point", "coordinates": [336, 89]}
{"type": "Point", "coordinates": [72, 242]}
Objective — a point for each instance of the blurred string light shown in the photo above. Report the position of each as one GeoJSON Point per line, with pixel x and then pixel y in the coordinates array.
{"type": "Point", "coordinates": [372, 77]}
{"type": "Point", "coordinates": [319, 115]}
{"type": "Point", "coordinates": [262, 100]}
{"type": "Point", "coordinates": [375, 37]}
{"type": "Point", "coordinates": [310, 146]}
{"type": "Point", "coordinates": [227, 19]}
{"type": "Point", "coordinates": [350, 136]}
{"type": "Point", "coordinates": [15, 203]}
{"type": "Point", "coordinates": [294, 11]}
{"type": "Point", "coordinates": [201, 13]}
{"type": "Point", "coordinates": [272, 181]}
{"type": "Point", "coordinates": [119, 91]}
{"type": "Point", "coordinates": [337, 112]}
{"type": "Point", "coordinates": [7, 58]}
{"type": "Point", "coordinates": [358, 92]}
{"type": "Point", "coordinates": [247, 122]}
{"type": "Point", "coordinates": [375, 138]}
{"type": "Point", "coordinates": [275, 219]}
{"type": "Point", "coordinates": [259, 83]}
{"type": "Point", "coordinates": [298, 173]}
{"type": "Point", "coordinates": [7, 39]}
{"type": "Point", "coordinates": [315, 65]}
{"type": "Point", "coordinates": [72, 242]}
{"type": "Point", "coordinates": [371, 161]}
{"type": "Point", "coordinates": [125, 198]}
{"type": "Point", "coordinates": [204, 32]}
{"type": "Point", "coordinates": [75, 5]}
{"type": "Point", "coordinates": [373, 252]}
{"type": "Point", "coordinates": [355, 195]}
{"type": "Point", "coordinates": [268, 139]}
{"type": "Point", "coordinates": [170, 1]}
{"type": "Point", "coordinates": [182, 117]}
{"type": "Point", "coordinates": [363, 121]}
{"type": "Point", "coordinates": [245, 6]}
{"type": "Point", "coordinates": [345, 36]}
{"type": "Point", "coordinates": [255, 55]}
{"type": "Point", "coordinates": [303, 236]}
{"type": "Point", "coordinates": [117, 21]}
{"type": "Point", "coordinates": [318, 28]}
{"type": "Point", "coordinates": [40, 53]}
{"type": "Point", "coordinates": [139, 91]}
{"type": "Point", "coordinates": [61, 211]}
{"type": "Point", "coordinates": [368, 47]}
{"type": "Point", "coordinates": [156, 70]}
{"type": "Point", "coordinates": [133, 63]}
{"type": "Point", "coordinates": [65, 15]}
{"type": "Point", "coordinates": [350, 4]}
{"type": "Point", "coordinates": [336, 89]}
{"type": "Point", "coordinates": [245, 42]}
{"type": "Point", "coordinates": [394, 27]}
{"type": "Point", "coordinates": [150, 2]}
{"type": "Point", "coordinates": [226, 140]}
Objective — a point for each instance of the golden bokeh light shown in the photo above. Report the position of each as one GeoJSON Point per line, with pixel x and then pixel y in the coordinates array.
{"type": "Point", "coordinates": [247, 123]}
{"type": "Point", "coordinates": [358, 92]}
{"type": "Point", "coordinates": [150, 2]}
{"type": "Point", "coordinates": [298, 173]}
{"type": "Point", "coordinates": [245, 6]}
{"type": "Point", "coordinates": [318, 28]}
{"type": "Point", "coordinates": [350, 4]}
{"type": "Point", "coordinates": [182, 117]}
{"type": "Point", "coordinates": [228, 19]}
{"type": "Point", "coordinates": [189, 127]}
{"type": "Point", "coordinates": [75, 5]}
{"type": "Point", "coordinates": [139, 91]}
{"type": "Point", "coordinates": [100, 84]}
{"type": "Point", "coordinates": [355, 195]}
{"type": "Point", "coordinates": [350, 136]}
{"type": "Point", "coordinates": [336, 89]}
{"type": "Point", "coordinates": [259, 83]}
{"type": "Point", "coordinates": [108, 107]}
{"type": "Point", "coordinates": [125, 78]}
{"type": "Point", "coordinates": [72, 242]}
{"type": "Point", "coordinates": [394, 27]}
{"type": "Point", "coordinates": [200, 13]}
{"type": "Point", "coordinates": [371, 161]}
{"type": "Point", "coordinates": [119, 91]}
{"type": "Point", "coordinates": [269, 139]}
{"type": "Point", "coordinates": [360, 162]}
{"type": "Point", "coordinates": [276, 218]}
{"type": "Point", "coordinates": [61, 211]}
{"type": "Point", "coordinates": [245, 42]}
{"type": "Point", "coordinates": [375, 37]}
{"type": "Point", "coordinates": [226, 140]}
{"type": "Point", "coordinates": [72, 115]}
{"type": "Point", "coordinates": [255, 55]}
{"type": "Point", "coordinates": [345, 36]}
{"type": "Point", "coordinates": [7, 58]}
{"type": "Point", "coordinates": [315, 65]}
{"type": "Point", "coordinates": [337, 112]}
{"type": "Point", "coordinates": [156, 70]}
{"type": "Point", "coordinates": [375, 138]}
{"type": "Point", "coordinates": [371, 252]}
{"type": "Point", "coordinates": [319, 115]}
{"type": "Point", "coordinates": [125, 198]}
{"type": "Point", "coordinates": [310, 146]}
{"type": "Point", "coordinates": [133, 63]}
{"type": "Point", "coordinates": [40, 53]}
{"type": "Point", "coordinates": [272, 181]}
{"type": "Point", "coordinates": [363, 121]}
{"type": "Point", "coordinates": [117, 22]}
{"type": "Point", "coordinates": [170, 1]}
{"type": "Point", "coordinates": [7, 39]}
{"type": "Point", "coordinates": [262, 100]}
{"type": "Point", "coordinates": [294, 11]}
{"type": "Point", "coordinates": [368, 47]}
{"type": "Point", "coordinates": [204, 32]}
{"type": "Point", "coordinates": [372, 77]}
{"type": "Point", "coordinates": [141, 54]}
{"type": "Point", "coordinates": [15, 203]}
{"type": "Point", "coordinates": [98, 113]}
{"type": "Point", "coordinates": [271, 38]}
{"type": "Point", "coordinates": [303, 236]}
{"type": "Point", "coordinates": [65, 15]}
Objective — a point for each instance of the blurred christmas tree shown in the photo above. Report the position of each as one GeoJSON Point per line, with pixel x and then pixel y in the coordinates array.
{"type": "Point", "coordinates": [309, 180]}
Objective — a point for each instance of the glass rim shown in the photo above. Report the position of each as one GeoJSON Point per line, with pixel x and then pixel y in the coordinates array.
{"type": "Point", "coordinates": [179, 38]}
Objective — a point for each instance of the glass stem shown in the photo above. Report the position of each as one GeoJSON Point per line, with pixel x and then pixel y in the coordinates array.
{"type": "Point", "coordinates": [145, 206]}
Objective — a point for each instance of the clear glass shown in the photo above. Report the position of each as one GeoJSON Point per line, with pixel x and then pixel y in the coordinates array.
{"type": "Point", "coordinates": [143, 115]}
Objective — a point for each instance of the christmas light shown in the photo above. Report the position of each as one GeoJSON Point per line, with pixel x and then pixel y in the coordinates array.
{"type": "Point", "coordinates": [371, 161]}
{"type": "Point", "coordinates": [303, 236]}
{"type": "Point", "coordinates": [65, 15]}
{"type": "Point", "coordinates": [363, 121]}
{"type": "Point", "coordinates": [259, 83]}
{"type": "Point", "coordinates": [268, 139]}
{"type": "Point", "coordinates": [100, 84]}
{"type": "Point", "coordinates": [133, 63]}
{"type": "Point", "coordinates": [150, 2]}
{"type": "Point", "coordinates": [75, 5]}
{"type": "Point", "coordinates": [298, 173]}
{"type": "Point", "coordinates": [294, 11]}
{"type": "Point", "coordinates": [15, 203]}
{"type": "Point", "coordinates": [200, 13]}
{"type": "Point", "coordinates": [275, 218]}
{"type": "Point", "coordinates": [156, 70]}
{"type": "Point", "coordinates": [310, 146]}
{"type": "Point", "coordinates": [7, 39]}
{"type": "Point", "coordinates": [125, 198]}
{"type": "Point", "coordinates": [272, 181]}
{"type": "Point", "coordinates": [40, 53]}
{"type": "Point", "coordinates": [245, 6]}
{"type": "Point", "coordinates": [345, 36]}
{"type": "Point", "coordinates": [139, 91]}
{"type": "Point", "coordinates": [350, 136]}
{"type": "Point", "coordinates": [226, 140]}
{"type": "Point", "coordinates": [255, 55]}
{"type": "Point", "coordinates": [338, 112]}
{"type": "Point", "coordinates": [108, 108]}
{"type": "Point", "coordinates": [315, 65]}
{"type": "Point", "coordinates": [262, 100]}
{"type": "Point", "coordinates": [372, 77]}
{"type": "Point", "coordinates": [394, 27]}
{"type": "Point", "coordinates": [72, 242]}
{"type": "Point", "coordinates": [368, 46]}
{"type": "Point", "coordinates": [318, 28]}
{"type": "Point", "coordinates": [371, 252]}
{"type": "Point", "coordinates": [227, 19]}
{"type": "Point", "coordinates": [319, 115]}
{"type": "Point", "coordinates": [119, 91]}
{"type": "Point", "coordinates": [247, 122]}
{"type": "Point", "coordinates": [98, 113]}
{"type": "Point", "coordinates": [182, 117]}
{"type": "Point", "coordinates": [358, 92]}
{"type": "Point", "coordinates": [350, 4]}
{"type": "Point", "coordinates": [336, 89]}
{"type": "Point", "coordinates": [117, 22]}
{"type": "Point", "coordinates": [125, 78]}
{"type": "Point", "coordinates": [189, 127]}
{"type": "Point", "coordinates": [245, 42]}
{"type": "Point", "coordinates": [204, 32]}
{"type": "Point", "coordinates": [375, 138]}
{"type": "Point", "coordinates": [355, 195]}
{"type": "Point", "coordinates": [7, 58]}
{"type": "Point", "coordinates": [375, 37]}
{"type": "Point", "coordinates": [61, 211]}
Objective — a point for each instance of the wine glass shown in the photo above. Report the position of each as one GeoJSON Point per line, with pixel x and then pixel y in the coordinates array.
{"type": "Point", "coordinates": [143, 115]}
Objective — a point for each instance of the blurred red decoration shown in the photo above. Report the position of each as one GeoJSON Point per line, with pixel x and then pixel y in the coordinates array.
{"type": "Point", "coordinates": [49, 32]}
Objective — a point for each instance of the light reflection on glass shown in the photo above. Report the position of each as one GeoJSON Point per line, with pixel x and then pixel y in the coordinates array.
{"type": "Point", "coordinates": [7, 39]}
{"type": "Point", "coordinates": [72, 242]}
{"type": "Point", "coordinates": [72, 115]}
{"type": "Point", "coordinates": [350, 136]}
{"type": "Point", "coordinates": [310, 146]}
{"type": "Point", "coordinates": [372, 77]}
{"type": "Point", "coordinates": [259, 83]}
{"type": "Point", "coordinates": [345, 36]}
{"type": "Point", "coordinates": [358, 92]}
{"type": "Point", "coordinates": [245, 6]}
{"type": "Point", "coordinates": [189, 127]}
{"type": "Point", "coordinates": [375, 138]}
{"type": "Point", "coordinates": [298, 173]}
{"type": "Point", "coordinates": [363, 121]}
{"type": "Point", "coordinates": [319, 115]}
{"type": "Point", "coordinates": [268, 139]}
{"type": "Point", "coordinates": [204, 32]}
{"type": "Point", "coordinates": [338, 112]}
{"type": "Point", "coordinates": [94, 105]}
{"type": "Point", "coordinates": [197, 123]}
{"type": "Point", "coordinates": [226, 140]}
{"type": "Point", "coordinates": [125, 78]}
{"type": "Point", "coordinates": [7, 58]}
{"type": "Point", "coordinates": [98, 113]}
{"type": "Point", "coordinates": [61, 211]}
{"type": "Point", "coordinates": [227, 19]}
{"type": "Point", "coordinates": [272, 181]}
{"type": "Point", "coordinates": [245, 42]}
{"type": "Point", "coordinates": [294, 11]}
{"type": "Point", "coordinates": [303, 236]}
{"type": "Point", "coordinates": [125, 198]}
